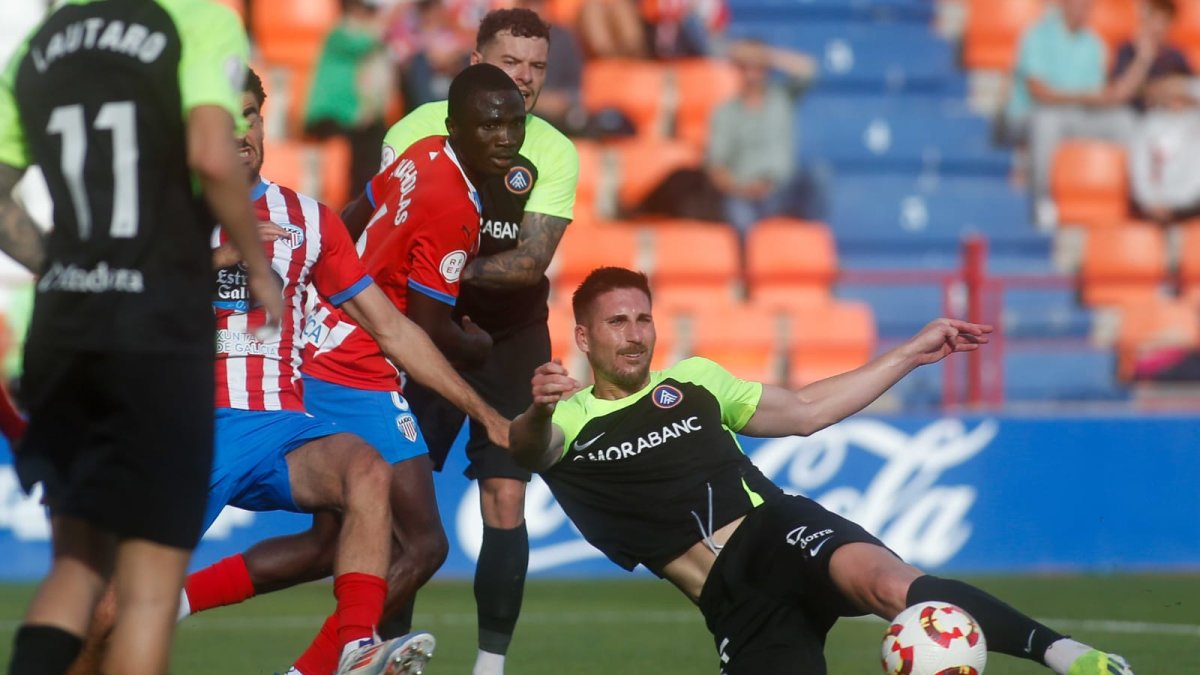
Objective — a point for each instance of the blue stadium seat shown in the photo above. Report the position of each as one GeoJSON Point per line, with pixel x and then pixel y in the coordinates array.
{"type": "Point", "coordinates": [879, 134]}
{"type": "Point", "coordinates": [1045, 313]}
{"type": "Point", "coordinates": [899, 214]}
{"type": "Point", "coordinates": [1073, 372]}
{"type": "Point", "coordinates": [900, 310]}
{"type": "Point", "coordinates": [866, 57]}
{"type": "Point", "coordinates": [916, 11]}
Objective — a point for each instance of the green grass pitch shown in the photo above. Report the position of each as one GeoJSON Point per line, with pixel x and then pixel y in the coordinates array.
{"type": "Point", "coordinates": [641, 626]}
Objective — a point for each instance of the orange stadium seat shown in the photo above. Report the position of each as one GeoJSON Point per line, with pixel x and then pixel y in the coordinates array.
{"type": "Point", "coordinates": [583, 250]}
{"type": "Point", "coordinates": [634, 87]}
{"type": "Point", "coordinates": [1115, 20]}
{"type": "Point", "coordinates": [1185, 32]}
{"type": "Point", "coordinates": [1089, 181]}
{"type": "Point", "coordinates": [319, 170]}
{"type": "Point", "coordinates": [1189, 261]}
{"type": "Point", "coordinates": [790, 263]}
{"type": "Point", "coordinates": [994, 30]}
{"type": "Point", "coordinates": [565, 12]}
{"type": "Point", "coordinates": [591, 167]}
{"type": "Point", "coordinates": [826, 340]}
{"type": "Point", "coordinates": [1123, 265]}
{"type": "Point", "coordinates": [696, 258]}
{"type": "Point", "coordinates": [701, 85]}
{"type": "Point", "coordinates": [744, 339]}
{"type": "Point", "coordinates": [643, 164]}
{"type": "Point", "coordinates": [1160, 323]}
{"type": "Point", "coordinates": [292, 31]}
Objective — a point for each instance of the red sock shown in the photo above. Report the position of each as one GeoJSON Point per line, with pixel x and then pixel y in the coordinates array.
{"type": "Point", "coordinates": [359, 604]}
{"type": "Point", "coordinates": [224, 583]}
{"type": "Point", "coordinates": [321, 657]}
{"type": "Point", "coordinates": [12, 425]}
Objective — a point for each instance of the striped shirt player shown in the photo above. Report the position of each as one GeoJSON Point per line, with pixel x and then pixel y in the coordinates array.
{"type": "Point", "coordinates": [423, 232]}
{"type": "Point", "coordinates": [260, 409]}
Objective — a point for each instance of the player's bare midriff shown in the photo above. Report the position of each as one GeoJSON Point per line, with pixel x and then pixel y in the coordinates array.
{"type": "Point", "coordinates": [689, 571]}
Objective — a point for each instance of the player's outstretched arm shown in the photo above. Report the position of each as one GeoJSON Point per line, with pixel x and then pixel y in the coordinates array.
{"type": "Point", "coordinates": [534, 440]}
{"type": "Point", "coordinates": [782, 412]}
{"type": "Point", "coordinates": [211, 155]}
{"type": "Point", "coordinates": [525, 264]}
{"type": "Point", "coordinates": [407, 345]}
{"type": "Point", "coordinates": [466, 346]}
{"type": "Point", "coordinates": [20, 237]}
{"type": "Point", "coordinates": [356, 215]}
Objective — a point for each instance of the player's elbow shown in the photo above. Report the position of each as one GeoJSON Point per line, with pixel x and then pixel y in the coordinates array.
{"type": "Point", "coordinates": [212, 162]}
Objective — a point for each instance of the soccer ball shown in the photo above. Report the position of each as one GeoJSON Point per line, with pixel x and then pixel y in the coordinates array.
{"type": "Point", "coordinates": [934, 638]}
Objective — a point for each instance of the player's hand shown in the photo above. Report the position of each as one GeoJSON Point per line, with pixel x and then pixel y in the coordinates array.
{"type": "Point", "coordinates": [551, 384]}
{"type": "Point", "coordinates": [497, 430]}
{"type": "Point", "coordinates": [227, 254]}
{"type": "Point", "coordinates": [266, 288]}
{"type": "Point", "coordinates": [943, 337]}
{"type": "Point", "coordinates": [479, 344]}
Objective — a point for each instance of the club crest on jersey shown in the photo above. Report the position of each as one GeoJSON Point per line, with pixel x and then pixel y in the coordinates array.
{"type": "Point", "coordinates": [295, 235]}
{"type": "Point", "coordinates": [519, 180]}
{"type": "Point", "coordinates": [666, 396]}
{"type": "Point", "coordinates": [407, 424]}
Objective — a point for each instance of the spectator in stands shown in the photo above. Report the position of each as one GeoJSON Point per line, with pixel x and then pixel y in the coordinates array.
{"type": "Point", "coordinates": [1164, 154]}
{"type": "Point", "coordinates": [1150, 46]}
{"type": "Point", "coordinates": [349, 89]}
{"type": "Point", "coordinates": [1060, 91]}
{"type": "Point", "coordinates": [683, 28]}
{"type": "Point", "coordinates": [430, 42]}
{"type": "Point", "coordinates": [751, 156]}
{"type": "Point", "coordinates": [612, 29]}
{"type": "Point", "coordinates": [561, 102]}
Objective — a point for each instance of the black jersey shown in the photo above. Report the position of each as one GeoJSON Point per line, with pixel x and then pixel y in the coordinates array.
{"type": "Point", "coordinates": [503, 200]}
{"type": "Point", "coordinates": [98, 96]}
{"type": "Point", "coordinates": [647, 476]}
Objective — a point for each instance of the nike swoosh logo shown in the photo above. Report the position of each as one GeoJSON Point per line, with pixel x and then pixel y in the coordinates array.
{"type": "Point", "coordinates": [1029, 644]}
{"type": "Point", "coordinates": [813, 550]}
{"type": "Point", "coordinates": [584, 446]}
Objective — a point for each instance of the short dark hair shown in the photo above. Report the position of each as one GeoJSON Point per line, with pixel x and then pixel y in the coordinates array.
{"type": "Point", "coordinates": [1167, 7]}
{"type": "Point", "coordinates": [602, 280]}
{"type": "Point", "coordinates": [254, 86]}
{"type": "Point", "coordinates": [517, 22]}
{"type": "Point", "coordinates": [481, 78]}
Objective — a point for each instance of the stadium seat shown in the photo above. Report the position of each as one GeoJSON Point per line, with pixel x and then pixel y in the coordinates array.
{"type": "Point", "coordinates": [1077, 372]}
{"type": "Point", "coordinates": [1189, 261]}
{"type": "Point", "coordinates": [693, 263]}
{"type": "Point", "coordinates": [634, 87]}
{"type": "Point", "coordinates": [643, 164]}
{"type": "Point", "coordinates": [701, 86]}
{"type": "Point", "coordinates": [1089, 181]}
{"type": "Point", "coordinates": [291, 32]}
{"type": "Point", "coordinates": [1114, 20]}
{"type": "Point", "coordinates": [591, 169]}
{"type": "Point", "coordinates": [994, 30]}
{"type": "Point", "coordinates": [584, 249]}
{"type": "Point", "coordinates": [790, 263]}
{"type": "Point", "coordinates": [829, 339]}
{"type": "Point", "coordinates": [1185, 32]}
{"type": "Point", "coordinates": [1123, 265]}
{"type": "Point", "coordinates": [319, 170]}
{"type": "Point", "coordinates": [1155, 324]}
{"type": "Point", "coordinates": [744, 339]}
{"type": "Point", "coordinates": [565, 12]}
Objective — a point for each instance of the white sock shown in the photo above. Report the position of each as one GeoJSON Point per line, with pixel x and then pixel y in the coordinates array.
{"type": "Point", "coordinates": [293, 671]}
{"type": "Point", "coordinates": [488, 663]}
{"type": "Point", "coordinates": [1061, 654]}
{"type": "Point", "coordinates": [185, 607]}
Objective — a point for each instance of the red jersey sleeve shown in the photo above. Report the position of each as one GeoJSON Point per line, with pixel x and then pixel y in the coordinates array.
{"type": "Point", "coordinates": [440, 252]}
{"type": "Point", "coordinates": [339, 274]}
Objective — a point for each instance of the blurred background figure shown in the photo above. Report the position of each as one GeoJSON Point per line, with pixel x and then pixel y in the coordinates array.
{"type": "Point", "coordinates": [751, 151]}
{"type": "Point", "coordinates": [560, 102]}
{"type": "Point", "coordinates": [1164, 154]}
{"type": "Point", "coordinates": [350, 87]}
{"type": "Point", "coordinates": [612, 29]}
{"type": "Point", "coordinates": [431, 42]}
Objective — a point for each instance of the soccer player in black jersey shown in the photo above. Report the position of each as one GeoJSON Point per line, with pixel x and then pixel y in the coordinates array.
{"type": "Point", "coordinates": [128, 106]}
{"type": "Point", "coordinates": [647, 466]}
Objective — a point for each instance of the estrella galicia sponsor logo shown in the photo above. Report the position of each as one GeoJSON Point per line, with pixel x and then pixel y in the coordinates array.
{"type": "Point", "coordinates": [665, 396]}
{"type": "Point", "coordinates": [519, 180]}
{"type": "Point", "coordinates": [627, 449]}
{"type": "Point", "coordinates": [798, 537]}
{"type": "Point", "coordinates": [232, 293]}
{"type": "Point", "coordinates": [407, 424]}
{"type": "Point", "coordinates": [295, 235]}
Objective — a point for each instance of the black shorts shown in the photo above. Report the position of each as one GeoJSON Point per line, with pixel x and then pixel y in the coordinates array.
{"type": "Point", "coordinates": [769, 600]}
{"type": "Point", "coordinates": [503, 381]}
{"type": "Point", "coordinates": [121, 441]}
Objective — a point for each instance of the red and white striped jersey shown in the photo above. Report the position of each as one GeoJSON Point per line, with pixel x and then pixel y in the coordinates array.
{"type": "Point", "coordinates": [255, 373]}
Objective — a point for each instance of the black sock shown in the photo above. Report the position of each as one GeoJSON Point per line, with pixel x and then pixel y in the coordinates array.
{"type": "Point", "coordinates": [1007, 631]}
{"type": "Point", "coordinates": [500, 585]}
{"type": "Point", "coordinates": [43, 650]}
{"type": "Point", "coordinates": [399, 623]}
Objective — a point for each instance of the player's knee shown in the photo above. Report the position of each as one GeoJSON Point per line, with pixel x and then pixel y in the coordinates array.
{"type": "Point", "coordinates": [367, 478]}
{"type": "Point", "coordinates": [502, 502]}
{"type": "Point", "coordinates": [422, 554]}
